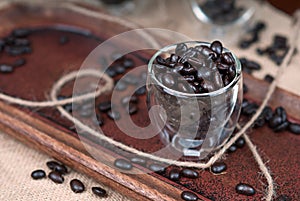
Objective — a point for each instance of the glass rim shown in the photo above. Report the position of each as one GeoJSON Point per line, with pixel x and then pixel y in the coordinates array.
{"type": "Point", "coordinates": [183, 94]}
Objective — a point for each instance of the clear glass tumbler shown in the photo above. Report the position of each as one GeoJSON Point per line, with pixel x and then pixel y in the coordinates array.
{"type": "Point", "coordinates": [196, 124]}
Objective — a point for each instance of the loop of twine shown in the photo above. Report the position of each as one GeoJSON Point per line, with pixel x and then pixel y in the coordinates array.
{"type": "Point", "coordinates": [54, 102]}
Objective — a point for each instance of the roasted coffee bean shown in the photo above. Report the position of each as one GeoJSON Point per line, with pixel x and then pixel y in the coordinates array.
{"type": "Point", "coordinates": [113, 114]}
{"type": "Point", "coordinates": [55, 166]}
{"type": "Point", "coordinates": [269, 78]}
{"type": "Point", "coordinates": [5, 68]}
{"type": "Point", "coordinates": [98, 120]}
{"type": "Point", "coordinates": [280, 111]}
{"type": "Point", "coordinates": [240, 142]}
{"type": "Point", "coordinates": [226, 80]}
{"type": "Point", "coordinates": [21, 42]}
{"type": "Point", "coordinates": [189, 78]}
{"type": "Point", "coordinates": [174, 58]}
{"type": "Point", "coordinates": [121, 85]}
{"type": "Point", "coordinates": [275, 121]}
{"type": "Point", "coordinates": [15, 51]}
{"type": "Point", "coordinates": [294, 128]}
{"type": "Point", "coordinates": [157, 168]}
{"type": "Point", "coordinates": [188, 70]}
{"type": "Point", "coordinates": [218, 167]}
{"type": "Point", "coordinates": [123, 164]}
{"type": "Point", "coordinates": [250, 109]}
{"type": "Point", "coordinates": [140, 91]}
{"type": "Point", "coordinates": [283, 198]}
{"type": "Point", "coordinates": [56, 177]}
{"type": "Point", "coordinates": [231, 72]}
{"type": "Point", "coordinates": [222, 67]}
{"type": "Point", "coordinates": [174, 174]}
{"type": "Point", "coordinates": [104, 106]}
{"type": "Point", "coordinates": [161, 60]}
{"type": "Point", "coordinates": [77, 186]}
{"type": "Point", "coordinates": [131, 79]}
{"type": "Point", "coordinates": [168, 80]}
{"type": "Point", "coordinates": [20, 33]}
{"type": "Point", "coordinates": [181, 48]}
{"type": "Point", "coordinates": [99, 191]}
{"type": "Point", "coordinates": [189, 173]}
{"type": "Point", "coordinates": [129, 99]}
{"type": "Point", "coordinates": [128, 63]}
{"type": "Point", "coordinates": [281, 127]}
{"type": "Point", "coordinates": [132, 109]}
{"type": "Point", "coordinates": [111, 72]}
{"type": "Point", "coordinates": [227, 58]}
{"type": "Point", "coordinates": [259, 122]}
{"type": "Point", "coordinates": [19, 62]}
{"type": "Point", "coordinates": [119, 69]}
{"type": "Point", "coordinates": [63, 40]}
{"type": "Point", "coordinates": [253, 65]}
{"type": "Point", "coordinates": [245, 189]}
{"type": "Point", "coordinates": [52, 164]}
{"type": "Point", "coordinates": [217, 47]}
{"type": "Point", "coordinates": [189, 196]}
{"type": "Point", "coordinates": [38, 174]}
{"type": "Point", "coordinates": [267, 113]}
{"type": "Point", "coordinates": [137, 160]}
{"type": "Point", "coordinates": [232, 148]}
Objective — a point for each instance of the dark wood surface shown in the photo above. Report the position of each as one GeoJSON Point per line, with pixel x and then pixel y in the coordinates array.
{"type": "Point", "coordinates": [288, 6]}
{"type": "Point", "coordinates": [46, 130]}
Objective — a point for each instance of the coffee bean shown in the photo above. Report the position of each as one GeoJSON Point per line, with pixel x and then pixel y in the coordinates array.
{"type": "Point", "coordinates": [157, 168]}
{"type": "Point", "coordinates": [98, 120]}
{"type": "Point", "coordinates": [140, 91]}
{"type": "Point", "coordinates": [123, 164]}
{"type": "Point", "coordinates": [104, 106]}
{"type": "Point", "coordinates": [232, 148]}
{"type": "Point", "coordinates": [113, 114]}
{"type": "Point", "coordinates": [137, 160]}
{"type": "Point", "coordinates": [128, 63]}
{"type": "Point", "coordinates": [267, 113]}
{"type": "Point", "coordinates": [119, 69]}
{"type": "Point", "coordinates": [21, 42]}
{"type": "Point", "coordinates": [189, 173]}
{"type": "Point", "coordinates": [132, 109]}
{"type": "Point", "coordinates": [168, 80]}
{"type": "Point", "coordinates": [121, 85]}
{"type": "Point", "coordinates": [245, 189]}
{"type": "Point", "coordinates": [275, 121]}
{"type": "Point", "coordinates": [161, 60]}
{"type": "Point", "coordinates": [283, 198]}
{"type": "Point", "coordinates": [250, 109]}
{"type": "Point", "coordinates": [174, 174]}
{"type": "Point", "coordinates": [269, 78]}
{"type": "Point", "coordinates": [38, 174]}
{"type": "Point", "coordinates": [99, 191]}
{"type": "Point", "coordinates": [280, 111]}
{"type": "Point", "coordinates": [189, 196]}
{"type": "Point", "coordinates": [217, 47]}
{"type": "Point", "coordinates": [188, 70]}
{"type": "Point", "coordinates": [19, 62]}
{"type": "Point", "coordinates": [111, 72]}
{"type": "Point", "coordinates": [281, 127]}
{"type": "Point", "coordinates": [63, 40]}
{"type": "Point", "coordinates": [116, 56]}
{"type": "Point", "coordinates": [259, 122]}
{"type": "Point", "coordinates": [180, 49]}
{"type": "Point", "coordinates": [77, 186]}
{"type": "Point", "coordinates": [15, 51]}
{"type": "Point", "coordinates": [20, 33]}
{"type": "Point", "coordinates": [294, 128]}
{"type": "Point", "coordinates": [218, 167]}
{"type": "Point", "coordinates": [129, 99]}
{"type": "Point", "coordinates": [227, 58]}
{"type": "Point", "coordinates": [5, 68]}
{"type": "Point", "coordinates": [52, 164]}
{"type": "Point", "coordinates": [56, 177]}
{"type": "Point", "coordinates": [240, 142]}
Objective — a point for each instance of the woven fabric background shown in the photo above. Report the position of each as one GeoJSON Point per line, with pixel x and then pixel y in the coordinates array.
{"type": "Point", "coordinates": [17, 161]}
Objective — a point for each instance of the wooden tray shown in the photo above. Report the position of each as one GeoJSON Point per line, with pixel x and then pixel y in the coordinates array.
{"type": "Point", "coordinates": [46, 130]}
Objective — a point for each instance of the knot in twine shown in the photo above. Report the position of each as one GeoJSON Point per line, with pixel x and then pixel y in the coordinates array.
{"type": "Point", "coordinates": [108, 86]}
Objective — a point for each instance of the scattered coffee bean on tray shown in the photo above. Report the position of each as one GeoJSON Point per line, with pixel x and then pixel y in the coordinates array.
{"type": "Point", "coordinates": [232, 148]}
{"type": "Point", "coordinates": [98, 120]}
{"type": "Point", "coordinates": [77, 186]}
{"type": "Point", "coordinates": [99, 191]}
{"type": "Point", "coordinates": [189, 173]}
{"type": "Point", "coordinates": [52, 164]}
{"type": "Point", "coordinates": [218, 167]}
{"type": "Point", "coordinates": [128, 63]}
{"type": "Point", "coordinates": [252, 35]}
{"type": "Point", "coordinates": [174, 174]}
{"type": "Point", "coordinates": [137, 160]}
{"type": "Point", "coordinates": [240, 142]}
{"type": "Point", "coordinates": [140, 91]}
{"type": "Point", "coordinates": [19, 62]}
{"type": "Point", "coordinates": [5, 68]}
{"type": "Point", "coordinates": [132, 109]}
{"type": "Point", "coordinates": [113, 114]}
{"type": "Point", "coordinates": [21, 32]}
{"type": "Point", "coordinates": [157, 168]}
{"type": "Point", "coordinates": [104, 106]}
{"type": "Point", "coordinates": [294, 128]}
{"type": "Point", "coordinates": [245, 189]}
{"type": "Point", "coordinates": [189, 196]}
{"type": "Point", "coordinates": [56, 177]}
{"type": "Point", "coordinates": [269, 78]}
{"type": "Point", "coordinates": [129, 99]}
{"type": "Point", "coordinates": [38, 174]}
{"type": "Point", "coordinates": [123, 164]}
{"type": "Point", "coordinates": [57, 167]}
{"type": "Point", "coordinates": [120, 85]}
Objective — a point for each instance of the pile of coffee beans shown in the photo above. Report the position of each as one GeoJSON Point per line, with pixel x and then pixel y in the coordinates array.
{"type": "Point", "coordinates": [277, 50]}
{"type": "Point", "coordinates": [15, 44]}
{"type": "Point", "coordinates": [57, 172]}
{"type": "Point", "coordinates": [253, 35]}
{"type": "Point", "coordinates": [248, 66]}
{"type": "Point", "coordinates": [199, 69]}
{"type": "Point", "coordinates": [222, 12]}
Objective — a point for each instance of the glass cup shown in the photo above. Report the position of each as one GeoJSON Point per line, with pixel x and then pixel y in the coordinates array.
{"type": "Point", "coordinates": [195, 124]}
{"type": "Point", "coordinates": [225, 19]}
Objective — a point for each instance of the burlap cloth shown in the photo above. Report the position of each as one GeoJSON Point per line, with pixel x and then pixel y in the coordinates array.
{"type": "Point", "coordinates": [17, 161]}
